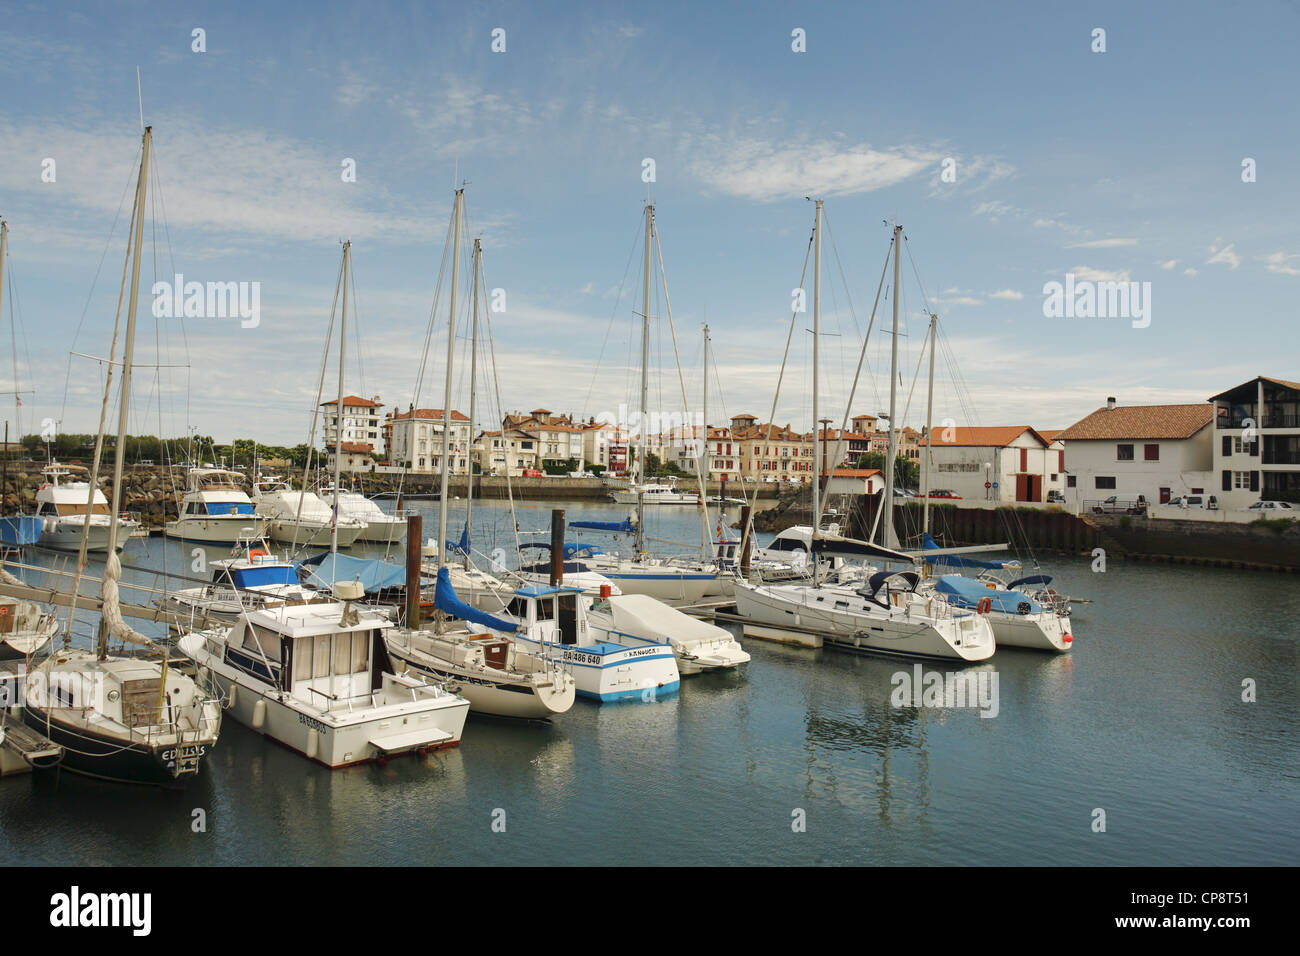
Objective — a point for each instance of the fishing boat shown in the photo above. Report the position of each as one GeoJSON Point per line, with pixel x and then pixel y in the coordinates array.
{"type": "Point", "coordinates": [215, 509]}
{"type": "Point", "coordinates": [300, 517]}
{"type": "Point", "coordinates": [317, 678]}
{"type": "Point", "coordinates": [67, 504]}
{"type": "Point", "coordinates": [25, 628]}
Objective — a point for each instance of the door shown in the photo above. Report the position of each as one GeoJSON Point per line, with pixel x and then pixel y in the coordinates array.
{"type": "Point", "coordinates": [1164, 496]}
{"type": "Point", "coordinates": [1022, 487]}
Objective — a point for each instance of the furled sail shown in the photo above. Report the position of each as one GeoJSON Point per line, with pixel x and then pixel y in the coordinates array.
{"type": "Point", "coordinates": [445, 600]}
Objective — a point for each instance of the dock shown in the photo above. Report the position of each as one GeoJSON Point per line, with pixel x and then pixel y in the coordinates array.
{"type": "Point", "coordinates": [21, 748]}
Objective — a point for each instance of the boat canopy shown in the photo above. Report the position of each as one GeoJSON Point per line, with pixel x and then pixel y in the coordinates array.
{"type": "Point", "coordinates": [1031, 579]}
{"type": "Point", "coordinates": [852, 547]}
{"type": "Point", "coordinates": [967, 593]}
{"type": "Point", "coordinates": [569, 549]}
{"type": "Point", "coordinates": [18, 530]}
{"type": "Point", "coordinates": [445, 600]}
{"type": "Point", "coordinates": [957, 560]}
{"type": "Point", "coordinates": [328, 569]}
{"type": "Point", "coordinates": [626, 526]}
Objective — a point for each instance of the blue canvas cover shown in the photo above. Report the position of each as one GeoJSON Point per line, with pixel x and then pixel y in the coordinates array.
{"type": "Point", "coordinates": [375, 576]}
{"type": "Point", "coordinates": [967, 593]}
{"type": "Point", "coordinates": [624, 526]}
{"type": "Point", "coordinates": [955, 560]}
{"type": "Point", "coordinates": [445, 600]}
{"type": "Point", "coordinates": [18, 530]}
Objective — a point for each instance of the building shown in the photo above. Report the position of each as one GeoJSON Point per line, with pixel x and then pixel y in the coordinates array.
{"type": "Point", "coordinates": [1004, 464]}
{"type": "Point", "coordinates": [1159, 451]}
{"type": "Point", "coordinates": [605, 446]}
{"type": "Point", "coordinates": [510, 451]}
{"type": "Point", "coordinates": [1256, 444]}
{"type": "Point", "coordinates": [415, 441]}
{"type": "Point", "coordinates": [361, 424]}
{"type": "Point", "coordinates": [357, 457]}
{"type": "Point", "coordinates": [774, 453]}
{"type": "Point", "coordinates": [853, 481]}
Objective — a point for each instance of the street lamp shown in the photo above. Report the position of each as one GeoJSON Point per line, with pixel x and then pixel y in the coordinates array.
{"type": "Point", "coordinates": [988, 486]}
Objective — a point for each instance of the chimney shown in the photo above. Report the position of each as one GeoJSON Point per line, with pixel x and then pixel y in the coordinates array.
{"type": "Point", "coordinates": [1110, 403]}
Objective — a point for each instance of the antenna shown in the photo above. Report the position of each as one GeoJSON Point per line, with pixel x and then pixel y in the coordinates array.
{"type": "Point", "coordinates": [139, 98]}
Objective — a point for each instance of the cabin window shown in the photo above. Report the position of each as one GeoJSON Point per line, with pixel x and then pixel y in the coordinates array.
{"type": "Point", "coordinates": [321, 657]}
{"type": "Point", "coordinates": [361, 652]}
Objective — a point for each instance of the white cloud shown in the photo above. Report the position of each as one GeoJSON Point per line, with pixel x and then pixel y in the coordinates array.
{"type": "Point", "coordinates": [1190, 272]}
{"type": "Point", "coordinates": [1009, 294]}
{"type": "Point", "coordinates": [1280, 262]}
{"type": "Point", "coordinates": [1102, 244]}
{"type": "Point", "coordinates": [767, 171]}
{"type": "Point", "coordinates": [1168, 264]}
{"type": "Point", "coordinates": [1225, 256]}
{"type": "Point", "coordinates": [1089, 274]}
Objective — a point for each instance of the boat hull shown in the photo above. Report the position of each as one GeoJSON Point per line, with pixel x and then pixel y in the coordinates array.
{"type": "Point", "coordinates": [286, 531]}
{"type": "Point", "coordinates": [216, 530]}
{"type": "Point", "coordinates": [663, 584]}
{"type": "Point", "coordinates": [1039, 632]}
{"type": "Point", "coordinates": [517, 700]}
{"type": "Point", "coordinates": [964, 637]}
{"type": "Point", "coordinates": [63, 536]}
{"type": "Point", "coordinates": [609, 673]}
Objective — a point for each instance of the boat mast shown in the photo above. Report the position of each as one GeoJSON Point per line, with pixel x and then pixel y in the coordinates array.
{"type": "Point", "coordinates": [645, 383]}
{"type": "Point", "coordinates": [473, 376]}
{"type": "Point", "coordinates": [446, 399]}
{"type": "Point", "coordinates": [887, 528]}
{"type": "Point", "coordinates": [817, 288]}
{"type": "Point", "coordinates": [704, 458]}
{"type": "Point", "coordinates": [338, 422]}
{"type": "Point", "coordinates": [929, 428]}
{"type": "Point", "coordinates": [4, 245]}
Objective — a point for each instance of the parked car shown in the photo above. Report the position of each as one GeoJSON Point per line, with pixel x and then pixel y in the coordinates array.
{"type": "Point", "coordinates": [1206, 502]}
{"type": "Point", "coordinates": [532, 473]}
{"type": "Point", "coordinates": [945, 493]}
{"type": "Point", "coordinates": [1055, 497]}
{"type": "Point", "coordinates": [1121, 504]}
{"type": "Point", "coordinates": [581, 474]}
{"type": "Point", "coordinates": [1267, 507]}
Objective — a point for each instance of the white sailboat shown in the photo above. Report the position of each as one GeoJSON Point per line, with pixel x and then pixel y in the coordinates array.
{"type": "Point", "coordinates": [886, 615]}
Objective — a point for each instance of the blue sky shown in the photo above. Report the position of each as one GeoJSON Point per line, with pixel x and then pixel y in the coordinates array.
{"type": "Point", "coordinates": [1123, 165]}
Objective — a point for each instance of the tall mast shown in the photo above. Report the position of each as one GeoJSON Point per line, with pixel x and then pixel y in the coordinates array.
{"type": "Point", "coordinates": [128, 356]}
{"type": "Point", "coordinates": [338, 421]}
{"type": "Point", "coordinates": [4, 246]}
{"type": "Point", "coordinates": [817, 288]}
{"type": "Point", "coordinates": [446, 399]}
{"type": "Point", "coordinates": [887, 530]}
{"type": "Point", "coordinates": [645, 382]}
{"type": "Point", "coordinates": [706, 550]}
{"type": "Point", "coordinates": [473, 377]}
{"type": "Point", "coordinates": [929, 429]}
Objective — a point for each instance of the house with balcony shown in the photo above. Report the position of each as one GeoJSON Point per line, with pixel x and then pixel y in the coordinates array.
{"type": "Point", "coordinates": [360, 425]}
{"type": "Point", "coordinates": [1256, 444]}
{"type": "Point", "coordinates": [1159, 451]}
{"type": "Point", "coordinates": [509, 451]}
{"type": "Point", "coordinates": [416, 441]}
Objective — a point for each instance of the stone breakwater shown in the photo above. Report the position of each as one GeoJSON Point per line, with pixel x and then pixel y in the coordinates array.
{"type": "Point", "coordinates": [152, 493]}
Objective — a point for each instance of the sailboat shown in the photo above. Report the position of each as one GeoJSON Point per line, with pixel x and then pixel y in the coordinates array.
{"type": "Point", "coordinates": [121, 718]}
{"type": "Point", "coordinates": [475, 653]}
{"type": "Point", "coordinates": [317, 677]}
{"type": "Point", "coordinates": [886, 614]}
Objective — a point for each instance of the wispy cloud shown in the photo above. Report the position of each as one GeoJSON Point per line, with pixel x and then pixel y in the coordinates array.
{"type": "Point", "coordinates": [1102, 244]}
{"type": "Point", "coordinates": [1088, 274]}
{"type": "Point", "coordinates": [1283, 263]}
{"type": "Point", "coordinates": [1224, 256]}
{"type": "Point", "coordinates": [1168, 264]}
{"type": "Point", "coordinates": [1009, 294]}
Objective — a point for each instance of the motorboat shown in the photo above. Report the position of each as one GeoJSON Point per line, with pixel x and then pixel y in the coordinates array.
{"type": "Point", "coordinates": [301, 518]}
{"type": "Point", "coordinates": [380, 527]}
{"type": "Point", "coordinates": [215, 509]}
{"type": "Point", "coordinates": [68, 506]}
{"type": "Point", "coordinates": [697, 645]}
{"type": "Point", "coordinates": [25, 628]}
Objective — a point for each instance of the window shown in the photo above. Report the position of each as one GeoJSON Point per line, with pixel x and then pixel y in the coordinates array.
{"type": "Point", "coordinates": [1123, 453]}
{"type": "Point", "coordinates": [1241, 479]}
{"type": "Point", "coordinates": [1151, 452]}
{"type": "Point", "coordinates": [1071, 481]}
{"type": "Point", "coordinates": [1198, 491]}
{"type": "Point", "coordinates": [1104, 482]}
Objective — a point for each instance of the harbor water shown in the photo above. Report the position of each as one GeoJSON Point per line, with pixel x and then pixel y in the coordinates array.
{"type": "Point", "coordinates": [799, 757]}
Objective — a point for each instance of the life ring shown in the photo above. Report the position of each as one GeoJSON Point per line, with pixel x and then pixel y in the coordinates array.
{"type": "Point", "coordinates": [255, 554]}
{"type": "Point", "coordinates": [985, 605]}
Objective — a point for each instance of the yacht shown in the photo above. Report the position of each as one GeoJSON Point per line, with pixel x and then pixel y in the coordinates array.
{"type": "Point", "coordinates": [1017, 619]}
{"type": "Point", "coordinates": [61, 504]}
{"type": "Point", "coordinates": [379, 526]}
{"type": "Point", "coordinates": [697, 645]}
{"type": "Point", "coordinates": [300, 517]}
{"type": "Point", "coordinates": [215, 509]}
{"type": "Point", "coordinates": [674, 580]}
{"type": "Point", "coordinates": [25, 628]}
{"type": "Point", "coordinates": [318, 679]}
{"type": "Point", "coordinates": [654, 493]}
{"type": "Point", "coordinates": [480, 659]}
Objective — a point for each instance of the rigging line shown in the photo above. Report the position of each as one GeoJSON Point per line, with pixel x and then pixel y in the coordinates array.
{"type": "Point", "coordinates": [586, 405]}
{"type": "Point", "coordinates": [505, 441]}
{"type": "Point", "coordinates": [91, 294]}
{"type": "Point", "coordinates": [862, 356]}
{"type": "Point", "coordinates": [171, 258]}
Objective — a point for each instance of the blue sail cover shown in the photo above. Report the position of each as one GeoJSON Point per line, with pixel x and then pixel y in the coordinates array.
{"type": "Point", "coordinates": [624, 526]}
{"type": "Point", "coordinates": [375, 576]}
{"type": "Point", "coordinates": [967, 593]}
{"type": "Point", "coordinates": [955, 560]}
{"type": "Point", "coordinates": [18, 530]}
{"type": "Point", "coordinates": [569, 549]}
{"type": "Point", "coordinates": [1032, 579]}
{"type": "Point", "coordinates": [445, 600]}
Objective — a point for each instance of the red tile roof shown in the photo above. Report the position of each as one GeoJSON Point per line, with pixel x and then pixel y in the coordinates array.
{"type": "Point", "coordinates": [354, 400]}
{"type": "Point", "coordinates": [997, 436]}
{"type": "Point", "coordinates": [1140, 421]}
{"type": "Point", "coordinates": [433, 414]}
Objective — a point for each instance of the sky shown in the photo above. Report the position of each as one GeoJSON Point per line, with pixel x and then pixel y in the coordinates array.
{"type": "Point", "coordinates": [1011, 149]}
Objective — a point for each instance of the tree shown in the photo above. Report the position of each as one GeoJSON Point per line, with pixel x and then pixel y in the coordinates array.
{"type": "Point", "coordinates": [906, 471]}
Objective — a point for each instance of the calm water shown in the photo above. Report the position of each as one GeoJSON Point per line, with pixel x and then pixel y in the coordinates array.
{"type": "Point", "coordinates": [1144, 720]}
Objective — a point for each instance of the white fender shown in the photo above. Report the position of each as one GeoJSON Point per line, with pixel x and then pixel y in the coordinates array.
{"type": "Point", "coordinates": [259, 714]}
{"type": "Point", "coordinates": [313, 744]}
{"type": "Point", "coordinates": [233, 689]}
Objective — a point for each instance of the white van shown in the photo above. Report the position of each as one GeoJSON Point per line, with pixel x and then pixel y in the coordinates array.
{"type": "Point", "coordinates": [1206, 502]}
{"type": "Point", "coordinates": [1128, 503]}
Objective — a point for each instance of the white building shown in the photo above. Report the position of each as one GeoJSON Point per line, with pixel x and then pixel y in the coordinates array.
{"type": "Point", "coordinates": [361, 424]}
{"type": "Point", "coordinates": [1256, 444]}
{"type": "Point", "coordinates": [509, 451]}
{"type": "Point", "coordinates": [1004, 464]}
{"type": "Point", "coordinates": [1160, 451]}
{"type": "Point", "coordinates": [415, 441]}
